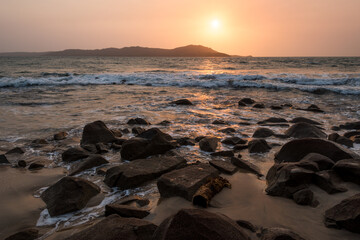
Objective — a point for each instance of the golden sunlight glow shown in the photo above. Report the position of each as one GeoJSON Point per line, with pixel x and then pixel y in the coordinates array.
{"type": "Point", "coordinates": [215, 24]}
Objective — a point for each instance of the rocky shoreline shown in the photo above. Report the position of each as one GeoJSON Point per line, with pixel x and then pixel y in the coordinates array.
{"type": "Point", "coordinates": [309, 158]}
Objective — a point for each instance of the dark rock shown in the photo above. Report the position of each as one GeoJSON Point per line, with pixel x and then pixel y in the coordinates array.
{"type": "Point", "coordinates": [60, 136]}
{"type": "Point", "coordinates": [295, 150]}
{"type": "Point", "coordinates": [186, 181]}
{"type": "Point", "coordinates": [92, 161]}
{"type": "Point", "coordinates": [223, 166]}
{"type": "Point", "coordinates": [139, 171]}
{"type": "Point", "coordinates": [117, 133]}
{"type": "Point", "coordinates": [247, 225]}
{"type": "Point", "coordinates": [28, 234]}
{"type": "Point", "coordinates": [3, 159]}
{"type": "Point", "coordinates": [227, 130]}
{"type": "Point", "coordinates": [164, 123]}
{"type": "Point", "coordinates": [258, 146]}
{"type": "Point", "coordinates": [138, 121]}
{"type": "Point", "coordinates": [101, 148]}
{"type": "Point", "coordinates": [125, 131]}
{"type": "Point", "coordinates": [198, 139]}
{"type": "Point", "coordinates": [125, 211]}
{"type": "Point", "coordinates": [233, 141]}
{"type": "Point", "coordinates": [259, 105]}
{"type": "Point", "coordinates": [239, 147]}
{"type": "Point", "coordinates": [152, 133]}
{"type": "Point", "coordinates": [322, 161]}
{"type": "Point", "coordinates": [90, 148]}
{"type": "Point", "coordinates": [314, 108]}
{"type": "Point", "coordinates": [276, 107]}
{"type": "Point", "coordinates": [348, 170]}
{"type": "Point", "coordinates": [134, 198]}
{"type": "Point", "coordinates": [21, 163]}
{"type": "Point", "coordinates": [247, 101]}
{"type": "Point", "coordinates": [304, 130]}
{"type": "Point", "coordinates": [327, 181]}
{"type": "Point", "coordinates": [345, 141]}
{"type": "Point", "coordinates": [346, 214]}
{"type": "Point", "coordinates": [333, 137]}
{"type": "Point", "coordinates": [16, 150]}
{"type": "Point", "coordinates": [351, 134]}
{"type": "Point", "coordinates": [303, 197]}
{"type": "Point", "coordinates": [115, 146]}
{"type": "Point", "coordinates": [185, 141]}
{"type": "Point", "coordinates": [101, 171]}
{"type": "Point", "coordinates": [137, 130]}
{"type": "Point", "coordinates": [40, 142]}
{"type": "Point", "coordinates": [196, 224]}
{"type": "Point", "coordinates": [355, 139]}
{"type": "Point", "coordinates": [182, 102]}
{"type": "Point", "coordinates": [273, 120]}
{"type": "Point", "coordinates": [263, 133]}
{"type": "Point", "coordinates": [223, 154]}
{"type": "Point", "coordinates": [36, 166]}
{"type": "Point", "coordinates": [335, 128]}
{"type": "Point", "coordinates": [279, 234]}
{"type": "Point", "coordinates": [115, 227]}
{"type": "Point", "coordinates": [350, 125]}
{"type": "Point", "coordinates": [209, 144]}
{"type": "Point", "coordinates": [74, 154]}
{"type": "Point", "coordinates": [219, 122]}
{"type": "Point", "coordinates": [247, 166]}
{"type": "Point", "coordinates": [309, 165]}
{"type": "Point", "coordinates": [68, 194]}
{"type": "Point", "coordinates": [305, 120]}
{"type": "Point", "coordinates": [97, 132]}
{"type": "Point", "coordinates": [241, 104]}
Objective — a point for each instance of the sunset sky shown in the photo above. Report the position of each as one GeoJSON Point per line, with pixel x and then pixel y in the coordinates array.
{"type": "Point", "coordinates": [242, 27]}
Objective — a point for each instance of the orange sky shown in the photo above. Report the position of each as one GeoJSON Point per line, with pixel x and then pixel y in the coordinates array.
{"type": "Point", "coordinates": [246, 27]}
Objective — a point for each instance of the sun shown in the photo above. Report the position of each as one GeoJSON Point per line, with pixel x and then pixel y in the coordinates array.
{"type": "Point", "coordinates": [215, 24]}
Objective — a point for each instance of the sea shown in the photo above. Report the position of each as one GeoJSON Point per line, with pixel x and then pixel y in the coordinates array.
{"type": "Point", "coordinates": [40, 96]}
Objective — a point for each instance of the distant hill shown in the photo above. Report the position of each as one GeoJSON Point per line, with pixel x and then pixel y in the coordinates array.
{"type": "Point", "coordinates": [187, 51]}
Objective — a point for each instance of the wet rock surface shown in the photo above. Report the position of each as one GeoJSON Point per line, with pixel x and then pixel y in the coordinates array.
{"type": "Point", "coordinates": [97, 132]}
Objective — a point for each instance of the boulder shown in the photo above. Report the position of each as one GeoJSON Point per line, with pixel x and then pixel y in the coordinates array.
{"type": "Point", "coordinates": [223, 166]}
{"type": "Point", "coordinates": [16, 150]}
{"type": "Point", "coordinates": [263, 133]}
{"type": "Point", "coordinates": [304, 120]}
{"type": "Point", "coordinates": [68, 194]}
{"type": "Point", "coordinates": [279, 234]}
{"type": "Point", "coordinates": [323, 162]}
{"type": "Point", "coordinates": [3, 159]}
{"type": "Point", "coordinates": [295, 150]}
{"type": "Point", "coordinates": [186, 181]}
{"type": "Point", "coordinates": [90, 162]}
{"type": "Point", "coordinates": [223, 154]}
{"type": "Point", "coordinates": [36, 166]}
{"type": "Point", "coordinates": [348, 170]}
{"type": "Point", "coordinates": [195, 224]}
{"type": "Point", "coordinates": [164, 123]}
{"type": "Point", "coordinates": [273, 120]}
{"type": "Point", "coordinates": [74, 154]}
{"type": "Point", "coordinates": [60, 136]}
{"type": "Point", "coordinates": [97, 132]}
{"type": "Point", "coordinates": [241, 104]}
{"type": "Point", "coordinates": [259, 105]}
{"type": "Point", "coordinates": [185, 141]}
{"type": "Point", "coordinates": [304, 197]}
{"type": "Point", "coordinates": [115, 227]}
{"type": "Point", "coordinates": [258, 146]}
{"type": "Point", "coordinates": [219, 122]}
{"type": "Point", "coordinates": [239, 147]}
{"type": "Point", "coordinates": [183, 101]}
{"type": "Point", "coordinates": [138, 121]}
{"type": "Point", "coordinates": [125, 211]}
{"type": "Point", "coordinates": [21, 163]}
{"type": "Point", "coordinates": [304, 130]}
{"type": "Point", "coordinates": [139, 171]}
{"type": "Point", "coordinates": [328, 181]}
{"type": "Point", "coordinates": [345, 215]}
{"type": "Point", "coordinates": [28, 234]}
{"type": "Point", "coordinates": [276, 107]}
{"type": "Point", "coordinates": [233, 141]}
{"type": "Point", "coordinates": [246, 165]}
{"type": "Point", "coordinates": [209, 144]}
{"type": "Point", "coordinates": [247, 101]}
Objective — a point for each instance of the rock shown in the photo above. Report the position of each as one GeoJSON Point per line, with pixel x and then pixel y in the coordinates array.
{"type": "Point", "coordinates": [125, 131]}
{"type": "Point", "coordinates": [345, 141]}
{"type": "Point", "coordinates": [246, 165]}
{"type": "Point", "coordinates": [304, 130]}
{"type": "Point", "coordinates": [3, 159]}
{"type": "Point", "coordinates": [186, 181]}
{"type": "Point", "coordinates": [90, 148]}
{"type": "Point", "coordinates": [137, 130]}
{"type": "Point", "coordinates": [139, 171]}
{"type": "Point", "coordinates": [351, 134]}
{"type": "Point", "coordinates": [314, 108]}
{"type": "Point", "coordinates": [68, 194]}
{"type": "Point", "coordinates": [227, 130]}
{"type": "Point", "coordinates": [138, 121]}
{"type": "Point", "coordinates": [148, 143]}
{"type": "Point", "coordinates": [247, 101]}
{"type": "Point", "coordinates": [350, 125]}
{"type": "Point", "coordinates": [209, 144]}
{"type": "Point", "coordinates": [223, 166]}
{"type": "Point", "coordinates": [305, 120]}
{"type": "Point", "coordinates": [90, 162]}
{"type": "Point", "coordinates": [223, 154]}
{"type": "Point", "coordinates": [355, 139]}
{"type": "Point", "coordinates": [21, 163]}
{"type": "Point", "coordinates": [239, 147]}
{"type": "Point", "coordinates": [241, 104]}
{"type": "Point", "coordinates": [185, 141]}
{"type": "Point", "coordinates": [327, 181]}
{"type": "Point", "coordinates": [28, 234]}
{"type": "Point", "coordinates": [303, 197]}
{"type": "Point", "coordinates": [16, 150]}
{"type": "Point", "coordinates": [115, 227]}
{"type": "Point", "coordinates": [117, 133]}
{"type": "Point", "coordinates": [273, 120]}
{"type": "Point", "coordinates": [346, 214]}
{"type": "Point", "coordinates": [134, 198]}
{"type": "Point", "coordinates": [164, 123]}
{"type": "Point", "coordinates": [101, 148]}
{"type": "Point", "coordinates": [322, 161]}
{"type": "Point", "coordinates": [263, 133]}
{"type": "Point", "coordinates": [60, 136]}
{"type": "Point", "coordinates": [194, 224]}
{"type": "Point", "coordinates": [279, 234]}
{"type": "Point", "coordinates": [247, 225]}
{"type": "Point", "coordinates": [276, 107]}
{"type": "Point", "coordinates": [335, 128]}
{"type": "Point", "coordinates": [97, 132]}
{"type": "Point", "coordinates": [259, 105]}
{"type": "Point", "coordinates": [333, 137]}
{"type": "Point", "coordinates": [36, 166]}
{"type": "Point", "coordinates": [183, 101]}
{"type": "Point", "coordinates": [74, 154]}
{"type": "Point", "coordinates": [295, 150]}
{"type": "Point", "coordinates": [40, 142]}
{"type": "Point", "coordinates": [125, 211]}
{"type": "Point", "coordinates": [348, 170]}
{"type": "Point", "coordinates": [219, 122]}
{"type": "Point", "coordinates": [258, 146]}
{"type": "Point", "coordinates": [233, 141]}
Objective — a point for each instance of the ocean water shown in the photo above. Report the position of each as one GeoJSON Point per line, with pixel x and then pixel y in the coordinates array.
{"type": "Point", "coordinates": [44, 95]}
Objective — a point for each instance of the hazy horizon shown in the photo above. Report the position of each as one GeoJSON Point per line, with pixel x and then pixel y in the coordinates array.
{"type": "Point", "coordinates": [280, 28]}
